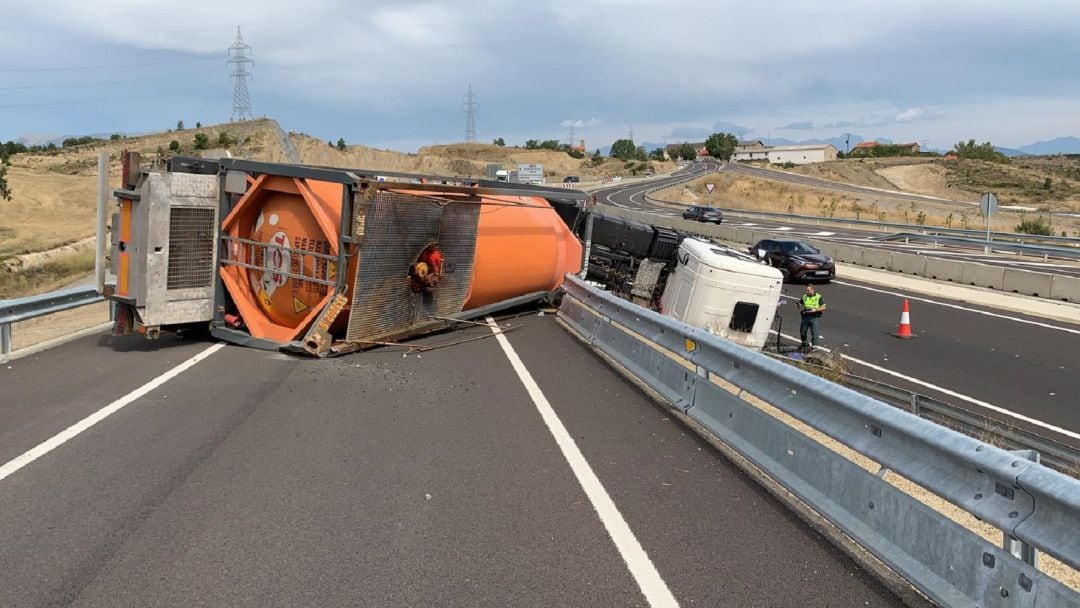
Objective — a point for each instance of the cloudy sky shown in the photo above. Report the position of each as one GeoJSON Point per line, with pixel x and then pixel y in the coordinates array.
{"type": "Point", "coordinates": [393, 74]}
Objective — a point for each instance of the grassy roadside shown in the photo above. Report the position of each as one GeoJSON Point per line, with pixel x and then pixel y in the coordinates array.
{"type": "Point", "coordinates": [47, 278]}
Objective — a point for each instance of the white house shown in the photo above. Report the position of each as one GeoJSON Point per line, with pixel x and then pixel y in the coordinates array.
{"type": "Point", "coordinates": [750, 150]}
{"type": "Point", "coordinates": [801, 155]}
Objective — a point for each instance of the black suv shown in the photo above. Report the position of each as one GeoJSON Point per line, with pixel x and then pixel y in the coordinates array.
{"type": "Point", "coordinates": [571, 179]}
{"type": "Point", "coordinates": [703, 214]}
{"type": "Point", "coordinates": [797, 260]}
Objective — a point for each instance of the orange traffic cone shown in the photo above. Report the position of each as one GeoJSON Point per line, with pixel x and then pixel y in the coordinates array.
{"type": "Point", "coordinates": [904, 331]}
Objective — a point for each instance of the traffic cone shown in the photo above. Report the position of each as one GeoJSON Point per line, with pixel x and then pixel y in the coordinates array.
{"type": "Point", "coordinates": [904, 331]}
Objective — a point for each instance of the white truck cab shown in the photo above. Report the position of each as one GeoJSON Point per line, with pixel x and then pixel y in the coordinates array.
{"type": "Point", "coordinates": [724, 291]}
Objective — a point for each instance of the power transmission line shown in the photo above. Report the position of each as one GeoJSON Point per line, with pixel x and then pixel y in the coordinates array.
{"type": "Point", "coordinates": [470, 115]}
{"type": "Point", "coordinates": [239, 62]}
{"type": "Point", "coordinates": [104, 67]}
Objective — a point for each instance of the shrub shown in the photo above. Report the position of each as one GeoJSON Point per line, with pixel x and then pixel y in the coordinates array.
{"type": "Point", "coordinates": [1040, 226]}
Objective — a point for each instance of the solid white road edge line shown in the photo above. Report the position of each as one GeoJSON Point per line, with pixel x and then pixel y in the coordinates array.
{"type": "Point", "coordinates": [72, 431]}
{"type": "Point", "coordinates": [641, 567]}
{"type": "Point", "coordinates": [958, 307]}
{"type": "Point", "coordinates": [951, 393]}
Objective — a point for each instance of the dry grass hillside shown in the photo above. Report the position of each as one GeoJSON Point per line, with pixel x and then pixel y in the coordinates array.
{"type": "Point", "coordinates": [464, 160]}
{"type": "Point", "coordinates": [1044, 183]}
{"type": "Point", "coordinates": [54, 193]}
{"type": "Point", "coordinates": [740, 192]}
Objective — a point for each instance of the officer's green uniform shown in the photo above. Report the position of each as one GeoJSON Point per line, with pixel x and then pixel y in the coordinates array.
{"type": "Point", "coordinates": [810, 319]}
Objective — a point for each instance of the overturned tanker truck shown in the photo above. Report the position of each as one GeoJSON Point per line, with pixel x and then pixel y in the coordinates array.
{"type": "Point", "coordinates": [327, 261]}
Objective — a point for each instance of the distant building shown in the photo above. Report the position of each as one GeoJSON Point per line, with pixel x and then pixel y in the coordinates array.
{"type": "Point", "coordinates": [801, 155]}
{"type": "Point", "coordinates": [580, 147]}
{"type": "Point", "coordinates": [864, 148]}
{"type": "Point", "coordinates": [699, 147]}
{"type": "Point", "coordinates": [750, 150]}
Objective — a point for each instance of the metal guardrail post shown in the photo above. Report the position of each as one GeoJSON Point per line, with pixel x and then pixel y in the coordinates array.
{"type": "Point", "coordinates": [1018, 548]}
{"type": "Point", "coordinates": [5, 338]}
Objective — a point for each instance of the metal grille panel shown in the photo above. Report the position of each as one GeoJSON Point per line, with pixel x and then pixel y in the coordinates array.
{"type": "Point", "coordinates": [397, 228]}
{"type": "Point", "coordinates": [191, 247]}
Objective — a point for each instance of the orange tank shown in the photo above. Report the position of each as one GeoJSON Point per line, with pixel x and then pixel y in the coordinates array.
{"type": "Point", "coordinates": [284, 232]}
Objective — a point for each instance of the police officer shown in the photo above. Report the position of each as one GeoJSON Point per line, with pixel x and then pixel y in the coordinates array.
{"type": "Point", "coordinates": [811, 305]}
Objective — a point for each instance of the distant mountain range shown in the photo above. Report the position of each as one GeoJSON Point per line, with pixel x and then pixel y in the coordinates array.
{"type": "Point", "coordinates": [1058, 145]}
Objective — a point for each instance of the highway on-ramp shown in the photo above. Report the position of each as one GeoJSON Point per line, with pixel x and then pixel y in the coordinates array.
{"type": "Point", "coordinates": [479, 474]}
{"type": "Point", "coordinates": [633, 197]}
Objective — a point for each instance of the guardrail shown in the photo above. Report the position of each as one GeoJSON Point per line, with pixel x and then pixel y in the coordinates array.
{"type": "Point", "coordinates": [1041, 284]}
{"type": "Point", "coordinates": [1046, 251]}
{"type": "Point", "coordinates": [706, 378]}
{"type": "Point", "coordinates": [1053, 454]}
{"type": "Point", "coordinates": [23, 309]}
{"type": "Point", "coordinates": [978, 234]}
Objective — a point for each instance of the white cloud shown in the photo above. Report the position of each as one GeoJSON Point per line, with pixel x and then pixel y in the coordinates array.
{"type": "Point", "coordinates": [588, 122]}
{"type": "Point", "coordinates": [909, 115]}
{"type": "Point", "coordinates": [396, 66]}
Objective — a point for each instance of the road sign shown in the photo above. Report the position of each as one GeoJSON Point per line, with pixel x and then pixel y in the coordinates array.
{"type": "Point", "coordinates": [531, 173]}
{"type": "Point", "coordinates": [988, 204]}
{"type": "Point", "coordinates": [710, 187]}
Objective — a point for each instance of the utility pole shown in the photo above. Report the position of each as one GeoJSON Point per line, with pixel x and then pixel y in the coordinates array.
{"type": "Point", "coordinates": [470, 115]}
{"type": "Point", "coordinates": [239, 63]}
{"type": "Point", "coordinates": [571, 142]}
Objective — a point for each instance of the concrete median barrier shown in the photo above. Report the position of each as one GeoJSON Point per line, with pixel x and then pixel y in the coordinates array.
{"type": "Point", "coordinates": [982, 275]}
{"type": "Point", "coordinates": [1065, 288]}
{"type": "Point", "coordinates": [945, 270]}
{"type": "Point", "coordinates": [1027, 282]}
{"type": "Point", "coordinates": [849, 254]}
{"type": "Point", "coordinates": [877, 258]}
{"type": "Point", "coordinates": [909, 263]}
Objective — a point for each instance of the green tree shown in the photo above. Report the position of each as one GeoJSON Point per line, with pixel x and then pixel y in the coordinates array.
{"type": "Point", "coordinates": [179, 125]}
{"type": "Point", "coordinates": [341, 144]}
{"type": "Point", "coordinates": [1040, 225]}
{"type": "Point", "coordinates": [920, 219]}
{"type": "Point", "coordinates": [549, 144]}
{"type": "Point", "coordinates": [114, 137]}
{"type": "Point", "coordinates": [5, 188]}
{"type": "Point", "coordinates": [198, 125]}
{"type": "Point", "coordinates": [202, 142]}
{"type": "Point", "coordinates": [499, 142]}
{"type": "Point", "coordinates": [687, 152]}
{"type": "Point", "coordinates": [657, 154]}
{"type": "Point", "coordinates": [224, 140]}
{"type": "Point", "coordinates": [531, 144]}
{"type": "Point", "coordinates": [721, 145]}
{"type": "Point", "coordinates": [624, 149]}
{"type": "Point", "coordinates": [984, 151]}
{"type": "Point", "coordinates": [596, 158]}
{"type": "Point", "coordinates": [174, 146]}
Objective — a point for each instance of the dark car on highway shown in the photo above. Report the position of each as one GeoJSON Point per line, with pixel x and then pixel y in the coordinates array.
{"type": "Point", "coordinates": [797, 260]}
{"type": "Point", "coordinates": [703, 214]}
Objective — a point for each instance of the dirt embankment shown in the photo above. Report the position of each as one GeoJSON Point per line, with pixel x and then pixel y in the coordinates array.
{"type": "Point", "coordinates": [1048, 183]}
{"type": "Point", "coordinates": [742, 192]}
{"type": "Point", "coordinates": [466, 160]}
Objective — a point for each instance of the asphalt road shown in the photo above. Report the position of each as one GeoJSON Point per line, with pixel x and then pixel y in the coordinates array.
{"type": "Point", "coordinates": [1024, 364]}
{"type": "Point", "coordinates": [817, 182]}
{"type": "Point", "coordinates": [377, 479]}
{"type": "Point", "coordinates": [1019, 366]}
{"type": "Point", "coordinates": [633, 197]}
